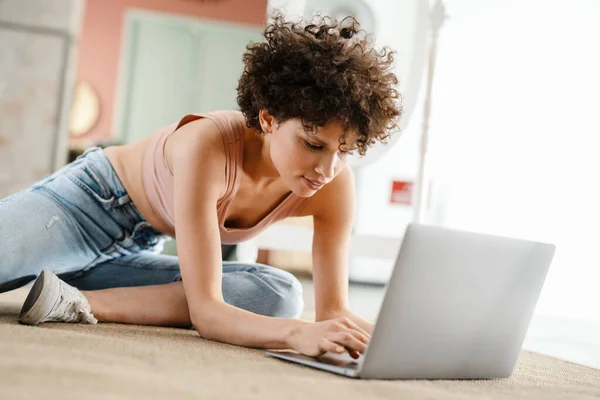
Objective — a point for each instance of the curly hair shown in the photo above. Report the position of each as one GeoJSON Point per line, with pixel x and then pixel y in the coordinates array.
{"type": "Point", "coordinates": [318, 72]}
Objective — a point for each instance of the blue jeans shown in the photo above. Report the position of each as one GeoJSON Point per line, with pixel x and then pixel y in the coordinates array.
{"type": "Point", "coordinates": [80, 223]}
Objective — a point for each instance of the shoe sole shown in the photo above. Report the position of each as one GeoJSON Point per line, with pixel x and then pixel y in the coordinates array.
{"type": "Point", "coordinates": [39, 302]}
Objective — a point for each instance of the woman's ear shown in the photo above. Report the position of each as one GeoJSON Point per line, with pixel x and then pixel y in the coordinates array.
{"type": "Point", "coordinates": [266, 121]}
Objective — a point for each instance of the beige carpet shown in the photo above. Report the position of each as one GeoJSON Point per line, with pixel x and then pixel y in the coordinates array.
{"type": "Point", "coordinates": [117, 361]}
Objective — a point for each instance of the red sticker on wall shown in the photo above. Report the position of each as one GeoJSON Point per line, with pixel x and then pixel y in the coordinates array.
{"type": "Point", "coordinates": [401, 193]}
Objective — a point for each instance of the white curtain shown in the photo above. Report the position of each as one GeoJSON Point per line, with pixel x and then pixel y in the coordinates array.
{"type": "Point", "coordinates": [515, 134]}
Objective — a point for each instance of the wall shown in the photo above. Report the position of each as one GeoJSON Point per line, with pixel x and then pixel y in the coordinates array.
{"type": "Point", "coordinates": [514, 147]}
{"type": "Point", "coordinates": [37, 61]}
{"type": "Point", "coordinates": [101, 43]}
{"type": "Point", "coordinates": [516, 126]}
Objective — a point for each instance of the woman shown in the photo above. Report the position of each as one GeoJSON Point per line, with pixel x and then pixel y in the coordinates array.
{"type": "Point", "coordinates": [309, 95]}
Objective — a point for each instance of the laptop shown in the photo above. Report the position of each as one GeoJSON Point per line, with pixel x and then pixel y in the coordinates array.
{"type": "Point", "coordinates": [457, 306]}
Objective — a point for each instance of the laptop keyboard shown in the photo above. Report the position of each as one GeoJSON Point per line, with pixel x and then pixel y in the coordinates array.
{"type": "Point", "coordinates": [338, 362]}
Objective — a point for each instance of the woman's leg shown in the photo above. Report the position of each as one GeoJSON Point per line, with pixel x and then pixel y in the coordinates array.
{"type": "Point", "coordinates": [68, 222]}
{"type": "Point", "coordinates": [257, 288]}
{"type": "Point", "coordinates": [36, 232]}
{"type": "Point", "coordinates": [142, 288]}
{"type": "Point", "coordinates": [159, 305]}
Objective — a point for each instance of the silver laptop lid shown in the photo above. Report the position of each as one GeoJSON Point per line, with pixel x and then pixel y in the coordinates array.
{"type": "Point", "coordinates": [457, 305]}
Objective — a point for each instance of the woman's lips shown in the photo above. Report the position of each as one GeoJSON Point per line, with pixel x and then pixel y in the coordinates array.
{"type": "Point", "coordinates": [312, 184]}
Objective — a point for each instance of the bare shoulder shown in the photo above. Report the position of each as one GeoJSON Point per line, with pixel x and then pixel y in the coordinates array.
{"type": "Point", "coordinates": [200, 137]}
{"type": "Point", "coordinates": [197, 149]}
{"type": "Point", "coordinates": [336, 199]}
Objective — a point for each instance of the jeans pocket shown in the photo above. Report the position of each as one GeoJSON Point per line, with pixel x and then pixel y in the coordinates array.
{"type": "Point", "coordinates": [88, 180]}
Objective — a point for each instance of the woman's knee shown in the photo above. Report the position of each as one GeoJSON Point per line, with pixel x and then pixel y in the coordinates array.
{"type": "Point", "coordinates": [264, 290]}
{"type": "Point", "coordinates": [291, 299]}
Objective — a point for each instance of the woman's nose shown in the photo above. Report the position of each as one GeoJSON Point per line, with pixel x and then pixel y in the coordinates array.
{"type": "Point", "coordinates": [327, 166]}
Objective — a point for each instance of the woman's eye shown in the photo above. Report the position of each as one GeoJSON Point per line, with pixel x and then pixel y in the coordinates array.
{"type": "Point", "coordinates": [312, 146]}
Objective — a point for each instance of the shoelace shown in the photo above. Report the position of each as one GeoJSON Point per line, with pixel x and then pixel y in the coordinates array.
{"type": "Point", "coordinates": [71, 307]}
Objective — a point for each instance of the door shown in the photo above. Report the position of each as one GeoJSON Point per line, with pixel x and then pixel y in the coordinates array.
{"type": "Point", "coordinates": [174, 66]}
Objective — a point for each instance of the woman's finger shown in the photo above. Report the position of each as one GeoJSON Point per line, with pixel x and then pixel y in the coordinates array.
{"type": "Point", "coordinates": [348, 340]}
{"type": "Point", "coordinates": [358, 333]}
{"type": "Point", "coordinates": [327, 345]}
{"type": "Point", "coordinates": [351, 324]}
{"type": "Point", "coordinates": [353, 353]}
{"type": "Point", "coordinates": [360, 336]}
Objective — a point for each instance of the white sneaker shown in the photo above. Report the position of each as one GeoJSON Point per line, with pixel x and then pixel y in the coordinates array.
{"type": "Point", "coordinates": [52, 300]}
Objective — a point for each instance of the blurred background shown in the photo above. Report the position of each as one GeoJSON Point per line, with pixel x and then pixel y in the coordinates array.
{"type": "Point", "coordinates": [500, 135]}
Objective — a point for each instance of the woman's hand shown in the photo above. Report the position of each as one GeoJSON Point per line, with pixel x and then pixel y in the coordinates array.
{"type": "Point", "coordinates": [344, 312]}
{"type": "Point", "coordinates": [335, 335]}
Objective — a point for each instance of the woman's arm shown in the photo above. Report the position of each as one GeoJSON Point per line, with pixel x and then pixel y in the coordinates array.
{"type": "Point", "coordinates": [198, 162]}
{"type": "Point", "coordinates": [333, 214]}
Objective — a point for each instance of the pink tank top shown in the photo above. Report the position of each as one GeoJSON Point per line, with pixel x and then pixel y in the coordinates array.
{"type": "Point", "coordinates": [158, 176]}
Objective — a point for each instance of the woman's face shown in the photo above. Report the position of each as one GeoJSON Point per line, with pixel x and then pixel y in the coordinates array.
{"type": "Point", "coordinates": [307, 161]}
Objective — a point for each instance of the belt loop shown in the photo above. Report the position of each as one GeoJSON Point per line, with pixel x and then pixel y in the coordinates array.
{"type": "Point", "coordinates": [123, 200]}
{"type": "Point", "coordinates": [86, 151]}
